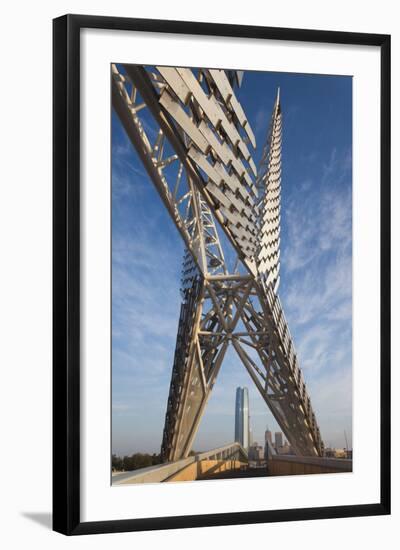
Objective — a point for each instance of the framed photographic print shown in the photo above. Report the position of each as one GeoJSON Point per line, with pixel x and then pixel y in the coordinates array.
{"type": "Point", "coordinates": [221, 274]}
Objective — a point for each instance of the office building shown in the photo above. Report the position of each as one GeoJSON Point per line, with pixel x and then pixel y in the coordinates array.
{"type": "Point", "coordinates": [242, 417]}
{"type": "Point", "coordinates": [278, 440]}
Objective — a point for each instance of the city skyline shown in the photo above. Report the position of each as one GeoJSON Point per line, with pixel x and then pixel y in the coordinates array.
{"type": "Point", "coordinates": [242, 425]}
{"type": "Point", "coordinates": [315, 283]}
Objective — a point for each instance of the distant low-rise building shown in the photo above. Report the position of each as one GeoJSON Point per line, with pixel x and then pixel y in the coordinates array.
{"type": "Point", "coordinates": [256, 452]}
{"type": "Point", "coordinates": [268, 436]}
{"type": "Point", "coordinates": [278, 440]}
{"type": "Point", "coordinates": [330, 452]}
{"type": "Point", "coordinates": [284, 449]}
{"type": "Point", "coordinates": [340, 453]}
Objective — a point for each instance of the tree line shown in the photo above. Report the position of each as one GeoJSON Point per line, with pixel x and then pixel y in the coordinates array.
{"type": "Point", "coordinates": [134, 462]}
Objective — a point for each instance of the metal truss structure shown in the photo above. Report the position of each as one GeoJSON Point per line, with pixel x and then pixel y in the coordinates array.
{"type": "Point", "coordinates": [193, 137]}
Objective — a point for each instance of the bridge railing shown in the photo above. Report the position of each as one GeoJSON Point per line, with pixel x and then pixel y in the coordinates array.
{"type": "Point", "coordinates": [297, 465]}
{"type": "Point", "coordinates": [169, 470]}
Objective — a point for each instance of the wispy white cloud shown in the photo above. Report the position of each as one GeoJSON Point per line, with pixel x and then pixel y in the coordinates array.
{"type": "Point", "coordinates": [316, 223]}
{"type": "Point", "coordinates": [317, 289]}
{"type": "Point", "coordinates": [261, 120]}
{"type": "Point", "coordinates": [332, 402]}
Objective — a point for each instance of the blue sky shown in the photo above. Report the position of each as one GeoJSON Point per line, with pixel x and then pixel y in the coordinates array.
{"type": "Point", "coordinates": [316, 271]}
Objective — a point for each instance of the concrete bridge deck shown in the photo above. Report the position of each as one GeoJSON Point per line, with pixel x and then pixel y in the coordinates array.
{"type": "Point", "coordinates": [228, 462]}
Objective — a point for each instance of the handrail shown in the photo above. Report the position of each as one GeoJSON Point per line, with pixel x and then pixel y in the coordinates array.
{"type": "Point", "coordinates": [340, 464]}
{"type": "Point", "coordinates": [161, 472]}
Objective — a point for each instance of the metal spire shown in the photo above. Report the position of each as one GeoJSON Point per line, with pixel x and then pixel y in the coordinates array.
{"type": "Point", "coordinates": [269, 186]}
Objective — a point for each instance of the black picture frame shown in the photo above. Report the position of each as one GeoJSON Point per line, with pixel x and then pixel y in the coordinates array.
{"type": "Point", "coordinates": [66, 273]}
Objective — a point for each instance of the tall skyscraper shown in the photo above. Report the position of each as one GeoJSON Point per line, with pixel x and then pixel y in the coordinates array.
{"type": "Point", "coordinates": [278, 440]}
{"type": "Point", "coordinates": [268, 436]}
{"type": "Point", "coordinates": [242, 417]}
